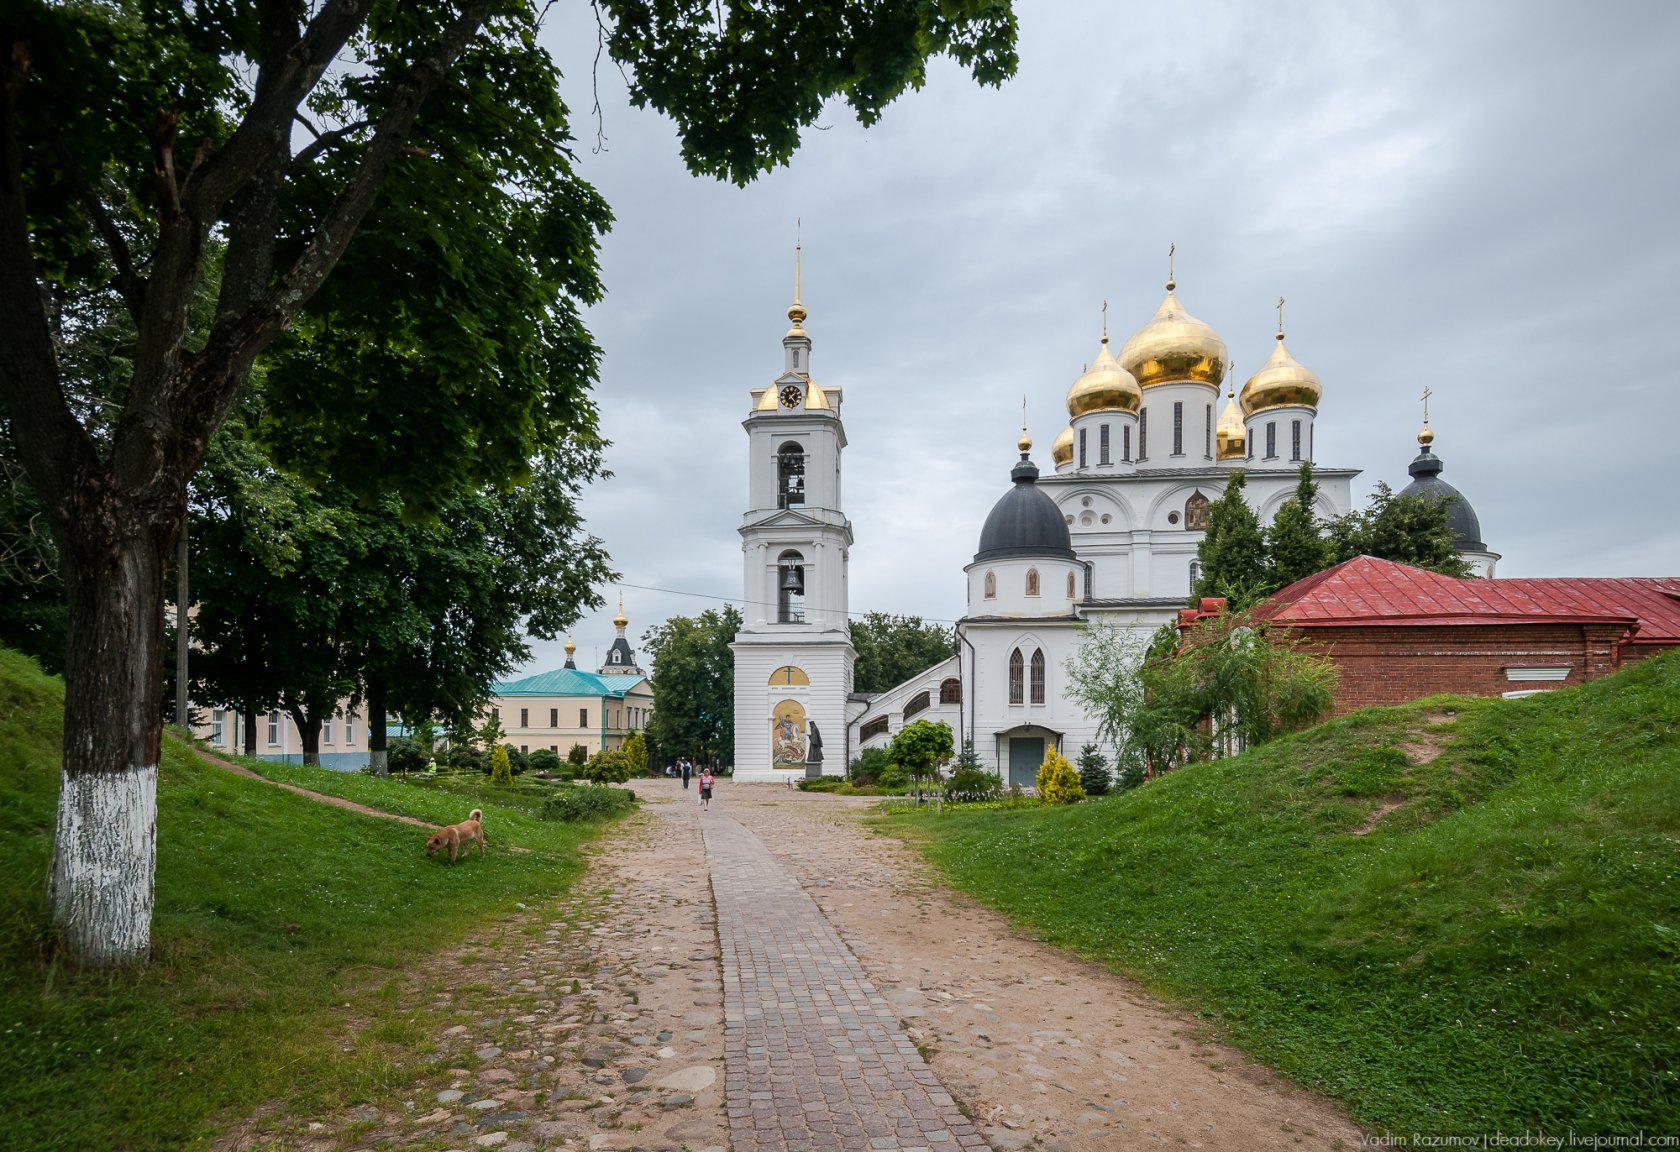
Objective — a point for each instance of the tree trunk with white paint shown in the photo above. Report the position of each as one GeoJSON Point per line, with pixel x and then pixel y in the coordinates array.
{"type": "Point", "coordinates": [378, 757]}
{"type": "Point", "coordinates": [104, 859]}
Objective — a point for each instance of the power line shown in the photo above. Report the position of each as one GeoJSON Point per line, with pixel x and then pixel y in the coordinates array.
{"type": "Point", "coordinates": [761, 603]}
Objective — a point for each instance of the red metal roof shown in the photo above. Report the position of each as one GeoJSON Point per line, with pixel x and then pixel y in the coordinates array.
{"type": "Point", "coordinates": [1367, 590]}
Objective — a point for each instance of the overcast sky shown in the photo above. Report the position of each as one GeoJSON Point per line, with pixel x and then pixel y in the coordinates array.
{"type": "Point", "coordinates": [1481, 198]}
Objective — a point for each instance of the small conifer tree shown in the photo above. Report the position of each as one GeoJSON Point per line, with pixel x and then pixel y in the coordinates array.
{"type": "Point", "coordinates": [501, 768]}
{"type": "Point", "coordinates": [1057, 782]}
{"type": "Point", "coordinates": [1295, 543]}
{"type": "Point", "coordinates": [1093, 771]}
{"type": "Point", "coordinates": [1233, 553]}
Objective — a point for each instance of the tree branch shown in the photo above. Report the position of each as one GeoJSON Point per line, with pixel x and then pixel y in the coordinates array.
{"type": "Point", "coordinates": [50, 441]}
{"type": "Point", "coordinates": [130, 283]}
{"type": "Point", "coordinates": [325, 140]}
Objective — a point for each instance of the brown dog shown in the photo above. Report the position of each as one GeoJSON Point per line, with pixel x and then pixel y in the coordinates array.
{"type": "Point", "coordinates": [457, 837]}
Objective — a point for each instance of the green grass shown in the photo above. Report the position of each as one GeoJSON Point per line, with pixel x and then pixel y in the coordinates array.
{"type": "Point", "coordinates": [282, 935]}
{"type": "Point", "coordinates": [1501, 952]}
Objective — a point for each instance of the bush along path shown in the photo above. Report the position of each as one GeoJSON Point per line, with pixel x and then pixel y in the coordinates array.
{"type": "Point", "coordinates": [592, 1023]}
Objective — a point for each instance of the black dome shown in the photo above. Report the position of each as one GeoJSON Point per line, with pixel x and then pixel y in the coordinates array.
{"type": "Point", "coordinates": [1426, 481]}
{"type": "Point", "coordinates": [1025, 522]}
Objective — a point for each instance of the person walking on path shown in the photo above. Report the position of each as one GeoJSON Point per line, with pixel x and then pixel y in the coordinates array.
{"type": "Point", "coordinates": [686, 769]}
{"type": "Point", "coordinates": [706, 783]}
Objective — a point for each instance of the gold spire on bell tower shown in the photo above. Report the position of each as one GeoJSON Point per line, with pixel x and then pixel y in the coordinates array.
{"type": "Point", "coordinates": [796, 310]}
{"type": "Point", "coordinates": [620, 620]}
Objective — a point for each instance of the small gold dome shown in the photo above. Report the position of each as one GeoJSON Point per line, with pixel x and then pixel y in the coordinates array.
{"type": "Point", "coordinates": [570, 647]}
{"type": "Point", "coordinates": [1283, 382]}
{"type": "Point", "coordinates": [1061, 449]}
{"type": "Point", "coordinates": [1024, 444]}
{"type": "Point", "coordinates": [797, 313]}
{"type": "Point", "coordinates": [1231, 435]}
{"type": "Point", "coordinates": [1425, 438]}
{"type": "Point", "coordinates": [1105, 387]}
{"type": "Point", "coordinates": [1174, 346]}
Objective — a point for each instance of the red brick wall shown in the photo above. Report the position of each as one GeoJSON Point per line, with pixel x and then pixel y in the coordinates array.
{"type": "Point", "coordinates": [1391, 665]}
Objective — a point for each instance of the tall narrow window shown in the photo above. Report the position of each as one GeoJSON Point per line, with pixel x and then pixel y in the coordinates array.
{"type": "Point", "coordinates": [218, 720]}
{"type": "Point", "coordinates": [1195, 575]}
{"type": "Point", "coordinates": [1295, 440]}
{"type": "Point", "coordinates": [1038, 676]}
{"type": "Point", "coordinates": [1082, 447]}
{"type": "Point", "coordinates": [1032, 581]}
{"type": "Point", "coordinates": [524, 717]}
{"type": "Point", "coordinates": [1271, 439]}
{"type": "Point", "coordinates": [1143, 434]}
{"type": "Point", "coordinates": [790, 475]}
{"type": "Point", "coordinates": [554, 717]}
{"type": "Point", "coordinates": [274, 729]}
{"type": "Point", "coordinates": [1178, 428]}
{"type": "Point", "coordinates": [326, 729]}
{"type": "Point", "coordinates": [349, 727]}
{"type": "Point", "coordinates": [790, 588]}
{"type": "Point", "coordinates": [1102, 444]}
{"type": "Point", "coordinates": [1126, 443]}
{"type": "Point", "coordinates": [1207, 434]}
{"type": "Point", "coordinates": [1017, 678]}
{"type": "Point", "coordinates": [583, 717]}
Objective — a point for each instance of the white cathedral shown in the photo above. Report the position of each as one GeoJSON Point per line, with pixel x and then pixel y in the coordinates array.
{"type": "Point", "coordinates": [1110, 536]}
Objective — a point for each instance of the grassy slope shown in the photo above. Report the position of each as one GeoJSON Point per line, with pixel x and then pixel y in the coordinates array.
{"type": "Point", "coordinates": [273, 913]}
{"type": "Point", "coordinates": [1501, 953]}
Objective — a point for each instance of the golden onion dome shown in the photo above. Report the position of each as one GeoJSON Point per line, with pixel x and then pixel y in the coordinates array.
{"type": "Point", "coordinates": [1231, 435]}
{"type": "Point", "coordinates": [1174, 346]}
{"type": "Point", "coordinates": [1283, 382]}
{"type": "Point", "coordinates": [1061, 449]}
{"type": "Point", "coordinates": [1426, 438]}
{"type": "Point", "coordinates": [1105, 387]}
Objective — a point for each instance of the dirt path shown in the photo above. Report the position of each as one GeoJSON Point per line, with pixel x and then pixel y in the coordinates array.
{"type": "Point", "coordinates": [598, 1022]}
{"type": "Point", "coordinates": [321, 797]}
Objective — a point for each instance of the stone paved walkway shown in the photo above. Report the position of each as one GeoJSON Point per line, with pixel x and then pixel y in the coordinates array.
{"type": "Point", "coordinates": [814, 1057]}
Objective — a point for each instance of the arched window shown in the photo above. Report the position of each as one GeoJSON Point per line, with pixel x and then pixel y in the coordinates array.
{"type": "Point", "coordinates": [788, 674]}
{"type": "Point", "coordinates": [950, 691]}
{"type": "Point", "coordinates": [1071, 592]}
{"type": "Point", "coordinates": [991, 585]}
{"type": "Point", "coordinates": [790, 475]}
{"type": "Point", "coordinates": [1017, 678]}
{"type": "Point", "coordinates": [875, 727]}
{"type": "Point", "coordinates": [1032, 581]}
{"type": "Point", "coordinates": [1038, 676]}
{"type": "Point", "coordinates": [918, 703]}
{"type": "Point", "coordinates": [790, 588]}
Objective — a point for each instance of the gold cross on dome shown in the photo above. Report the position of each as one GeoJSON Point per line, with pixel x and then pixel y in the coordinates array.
{"type": "Point", "coordinates": [1280, 316]}
{"type": "Point", "coordinates": [1426, 395]}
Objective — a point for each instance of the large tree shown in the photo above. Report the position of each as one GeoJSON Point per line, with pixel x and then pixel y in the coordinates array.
{"type": "Point", "coordinates": [693, 685]}
{"type": "Point", "coordinates": [1414, 530]}
{"type": "Point", "coordinates": [132, 133]}
{"type": "Point", "coordinates": [1295, 542]}
{"type": "Point", "coordinates": [891, 649]}
{"type": "Point", "coordinates": [1233, 553]}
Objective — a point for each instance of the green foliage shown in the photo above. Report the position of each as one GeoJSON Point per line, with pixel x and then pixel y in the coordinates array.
{"type": "Point", "coordinates": [406, 754]}
{"type": "Point", "coordinates": [970, 783]}
{"type": "Point", "coordinates": [694, 685]}
{"type": "Point", "coordinates": [501, 768]}
{"type": "Point", "coordinates": [587, 803]}
{"type": "Point", "coordinates": [891, 649]}
{"type": "Point", "coordinates": [741, 89]}
{"type": "Point", "coordinates": [1094, 775]}
{"type": "Point", "coordinates": [921, 747]}
{"type": "Point", "coordinates": [1295, 543]}
{"type": "Point", "coordinates": [1057, 782]}
{"type": "Point", "coordinates": [462, 757]}
{"type": "Point", "coordinates": [869, 766]}
{"type": "Point", "coordinates": [893, 776]}
{"type": "Point", "coordinates": [1408, 529]}
{"type": "Point", "coordinates": [545, 760]}
{"type": "Point", "coordinates": [1493, 954]}
{"type": "Point", "coordinates": [259, 939]}
{"type": "Point", "coordinates": [636, 754]}
{"type": "Point", "coordinates": [577, 755]}
{"type": "Point", "coordinates": [1233, 552]}
{"type": "Point", "coordinates": [609, 766]}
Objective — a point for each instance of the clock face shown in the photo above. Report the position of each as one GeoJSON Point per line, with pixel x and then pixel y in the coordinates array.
{"type": "Point", "coordinates": [791, 397]}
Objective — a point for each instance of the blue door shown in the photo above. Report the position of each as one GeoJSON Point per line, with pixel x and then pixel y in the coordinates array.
{"type": "Point", "coordinates": [1026, 753]}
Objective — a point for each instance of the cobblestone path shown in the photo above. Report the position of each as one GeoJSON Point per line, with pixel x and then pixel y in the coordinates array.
{"type": "Point", "coordinates": [814, 1057]}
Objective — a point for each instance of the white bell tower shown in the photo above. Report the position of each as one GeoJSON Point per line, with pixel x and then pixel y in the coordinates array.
{"type": "Point", "coordinates": [793, 655]}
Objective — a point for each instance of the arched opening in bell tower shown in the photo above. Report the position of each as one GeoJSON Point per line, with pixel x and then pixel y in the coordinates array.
{"type": "Point", "coordinates": [790, 475]}
{"type": "Point", "coordinates": [790, 588]}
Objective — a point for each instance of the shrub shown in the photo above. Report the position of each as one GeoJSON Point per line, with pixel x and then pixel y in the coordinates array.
{"type": "Point", "coordinates": [585, 803]}
{"type": "Point", "coordinates": [501, 768]}
{"type": "Point", "coordinates": [517, 760]}
{"type": "Point", "coordinates": [1093, 771]}
{"type": "Point", "coordinates": [635, 751]}
{"type": "Point", "coordinates": [608, 767]}
{"type": "Point", "coordinates": [821, 784]}
{"type": "Point", "coordinates": [893, 777]}
{"type": "Point", "coordinates": [461, 758]}
{"type": "Point", "coordinates": [544, 760]}
{"type": "Point", "coordinates": [1058, 783]}
{"type": "Point", "coordinates": [578, 756]}
{"type": "Point", "coordinates": [404, 754]}
{"type": "Point", "coordinates": [971, 783]}
{"type": "Point", "coordinates": [869, 765]}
